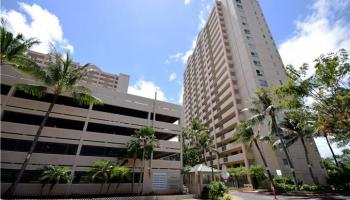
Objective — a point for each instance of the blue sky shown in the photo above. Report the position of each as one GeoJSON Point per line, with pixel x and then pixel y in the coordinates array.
{"type": "Point", "coordinates": [150, 39]}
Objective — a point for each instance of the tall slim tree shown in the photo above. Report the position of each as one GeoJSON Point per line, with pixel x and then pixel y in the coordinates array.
{"type": "Point", "coordinates": [264, 110]}
{"type": "Point", "coordinates": [14, 48]}
{"type": "Point", "coordinates": [148, 143]}
{"type": "Point", "coordinates": [329, 88]}
{"type": "Point", "coordinates": [296, 126]}
{"type": "Point", "coordinates": [59, 77]}
{"type": "Point", "coordinates": [134, 151]}
{"type": "Point", "coordinates": [244, 134]}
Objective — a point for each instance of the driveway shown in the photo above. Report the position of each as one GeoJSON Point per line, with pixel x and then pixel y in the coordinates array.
{"type": "Point", "coordinates": [262, 196]}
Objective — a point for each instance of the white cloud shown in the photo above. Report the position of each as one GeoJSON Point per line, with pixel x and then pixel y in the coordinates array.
{"type": "Point", "coordinates": [146, 89]}
{"type": "Point", "coordinates": [41, 24]}
{"type": "Point", "coordinates": [187, 2]}
{"type": "Point", "coordinates": [325, 30]}
{"type": "Point", "coordinates": [183, 56]}
{"type": "Point", "coordinates": [202, 16]}
{"type": "Point", "coordinates": [172, 77]}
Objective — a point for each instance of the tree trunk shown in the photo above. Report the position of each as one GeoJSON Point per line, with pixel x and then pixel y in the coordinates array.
{"type": "Point", "coordinates": [308, 161]}
{"type": "Point", "coordinates": [212, 173]}
{"type": "Point", "coordinates": [277, 130]}
{"type": "Point", "coordinates": [133, 175]}
{"type": "Point", "coordinates": [141, 173]}
{"type": "Point", "coordinates": [330, 147]}
{"type": "Point", "coordinates": [205, 157]}
{"type": "Point", "coordinates": [14, 185]}
{"type": "Point", "coordinates": [265, 164]}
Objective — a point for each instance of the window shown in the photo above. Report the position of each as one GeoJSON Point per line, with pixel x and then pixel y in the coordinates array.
{"type": "Point", "coordinates": [257, 63]}
{"type": "Point", "coordinates": [5, 89]}
{"type": "Point", "coordinates": [29, 176]}
{"type": "Point", "coordinates": [252, 46]}
{"type": "Point", "coordinates": [248, 37]}
{"type": "Point", "coordinates": [263, 83]}
{"type": "Point", "coordinates": [88, 150]}
{"type": "Point", "coordinates": [259, 72]}
{"type": "Point", "coordinates": [42, 147]}
{"type": "Point", "coordinates": [23, 118]}
{"type": "Point", "coordinates": [246, 31]}
{"type": "Point", "coordinates": [285, 162]}
{"type": "Point", "coordinates": [223, 148]}
{"type": "Point", "coordinates": [225, 159]}
{"type": "Point", "coordinates": [281, 82]}
{"type": "Point", "coordinates": [238, 1]}
{"type": "Point", "coordinates": [239, 6]}
{"type": "Point", "coordinates": [254, 54]}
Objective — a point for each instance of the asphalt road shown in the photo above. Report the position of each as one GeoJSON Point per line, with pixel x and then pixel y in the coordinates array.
{"type": "Point", "coordinates": [261, 196]}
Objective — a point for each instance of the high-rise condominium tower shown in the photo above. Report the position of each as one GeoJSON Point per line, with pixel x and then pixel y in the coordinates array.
{"type": "Point", "coordinates": [234, 56]}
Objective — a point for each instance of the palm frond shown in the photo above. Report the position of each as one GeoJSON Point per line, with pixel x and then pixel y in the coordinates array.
{"type": "Point", "coordinates": [34, 90]}
{"type": "Point", "coordinates": [85, 99]}
{"type": "Point", "coordinates": [256, 119]}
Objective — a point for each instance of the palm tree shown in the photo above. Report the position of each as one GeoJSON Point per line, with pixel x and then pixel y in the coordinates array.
{"type": "Point", "coordinates": [119, 172]}
{"type": "Point", "coordinates": [237, 172]}
{"type": "Point", "coordinates": [244, 134]}
{"type": "Point", "coordinates": [59, 77]}
{"type": "Point", "coordinates": [264, 110]}
{"type": "Point", "coordinates": [101, 171]}
{"type": "Point", "coordinates": [148, 142]}
{"type": "Point", "coordinates": [203, 143]}
{"type": "Point", "coordinates": [53, 175]}
{"type": "Point", "coordinates": [297, 127]}
{"type": "Point", "coordinates": [134, 151]}
{"type": "Point", "coordinates": [14, 48]}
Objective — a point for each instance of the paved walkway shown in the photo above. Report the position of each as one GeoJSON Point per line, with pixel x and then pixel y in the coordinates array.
{"type": "Point", "coordinates": [262, 196]}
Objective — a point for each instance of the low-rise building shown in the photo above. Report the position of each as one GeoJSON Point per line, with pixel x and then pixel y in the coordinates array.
{"type": "Point", "coordinates": [76, 136]}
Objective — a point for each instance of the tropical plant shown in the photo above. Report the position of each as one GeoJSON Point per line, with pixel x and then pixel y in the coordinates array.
{"type": "Point", "coordinates": [59, 77]}
{"type": "Point", "coordinates": [119, 173]}
{"type": "Point", "coordinates": [339, 176]}
{"type": "Point", "coordinates": [296, 126]}
{"type": "Point", "coordinates": [148, 142]}
{"type": "Point", "coordinates": [204, 142]}
{"type": "Point", "coordinates": [101, 171]}
{"type": "Point", "coordinates": [14, 48]}
{"type": "Point", "coordinates": [134, 151]}
{"type": "Point", "coordinates": [263, 109]}
{"type": "Point", "coordinates": [245, 134]}
{"type": "Point", "coordinates": [191, 155]}
{"type": "Point", "coordinates": [257, 172]}
{"type": "Point", "coordinates": [53, 175]}
{"type": "Point", "coordinates": [329, 89]}
{"type": "Point", "coordinates": [217, 190]}
{"type": "Point", "coordinates": [237, 172]}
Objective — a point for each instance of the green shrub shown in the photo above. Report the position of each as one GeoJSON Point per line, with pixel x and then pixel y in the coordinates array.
{"type": "Point", "coordinates": [225, 197]}
{"type": "Point", "coordinates": [283, 179]}
{"type": "Point", "coordinates": [282, 187]}
{"type": "Point", "coordinates": [217, 190]}
{"type": "Point", "coordinates": [309, 188]}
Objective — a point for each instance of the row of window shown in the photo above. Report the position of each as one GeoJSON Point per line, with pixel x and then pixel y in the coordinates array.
{"type": "Point", "coordinates": [8, 144]}
{"type": "Point", "coordinates": [68, 101]}
{"type": "Point", "coordinates": [33, 176]}
{"type": "Point", "coordinates": [30, 119]}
